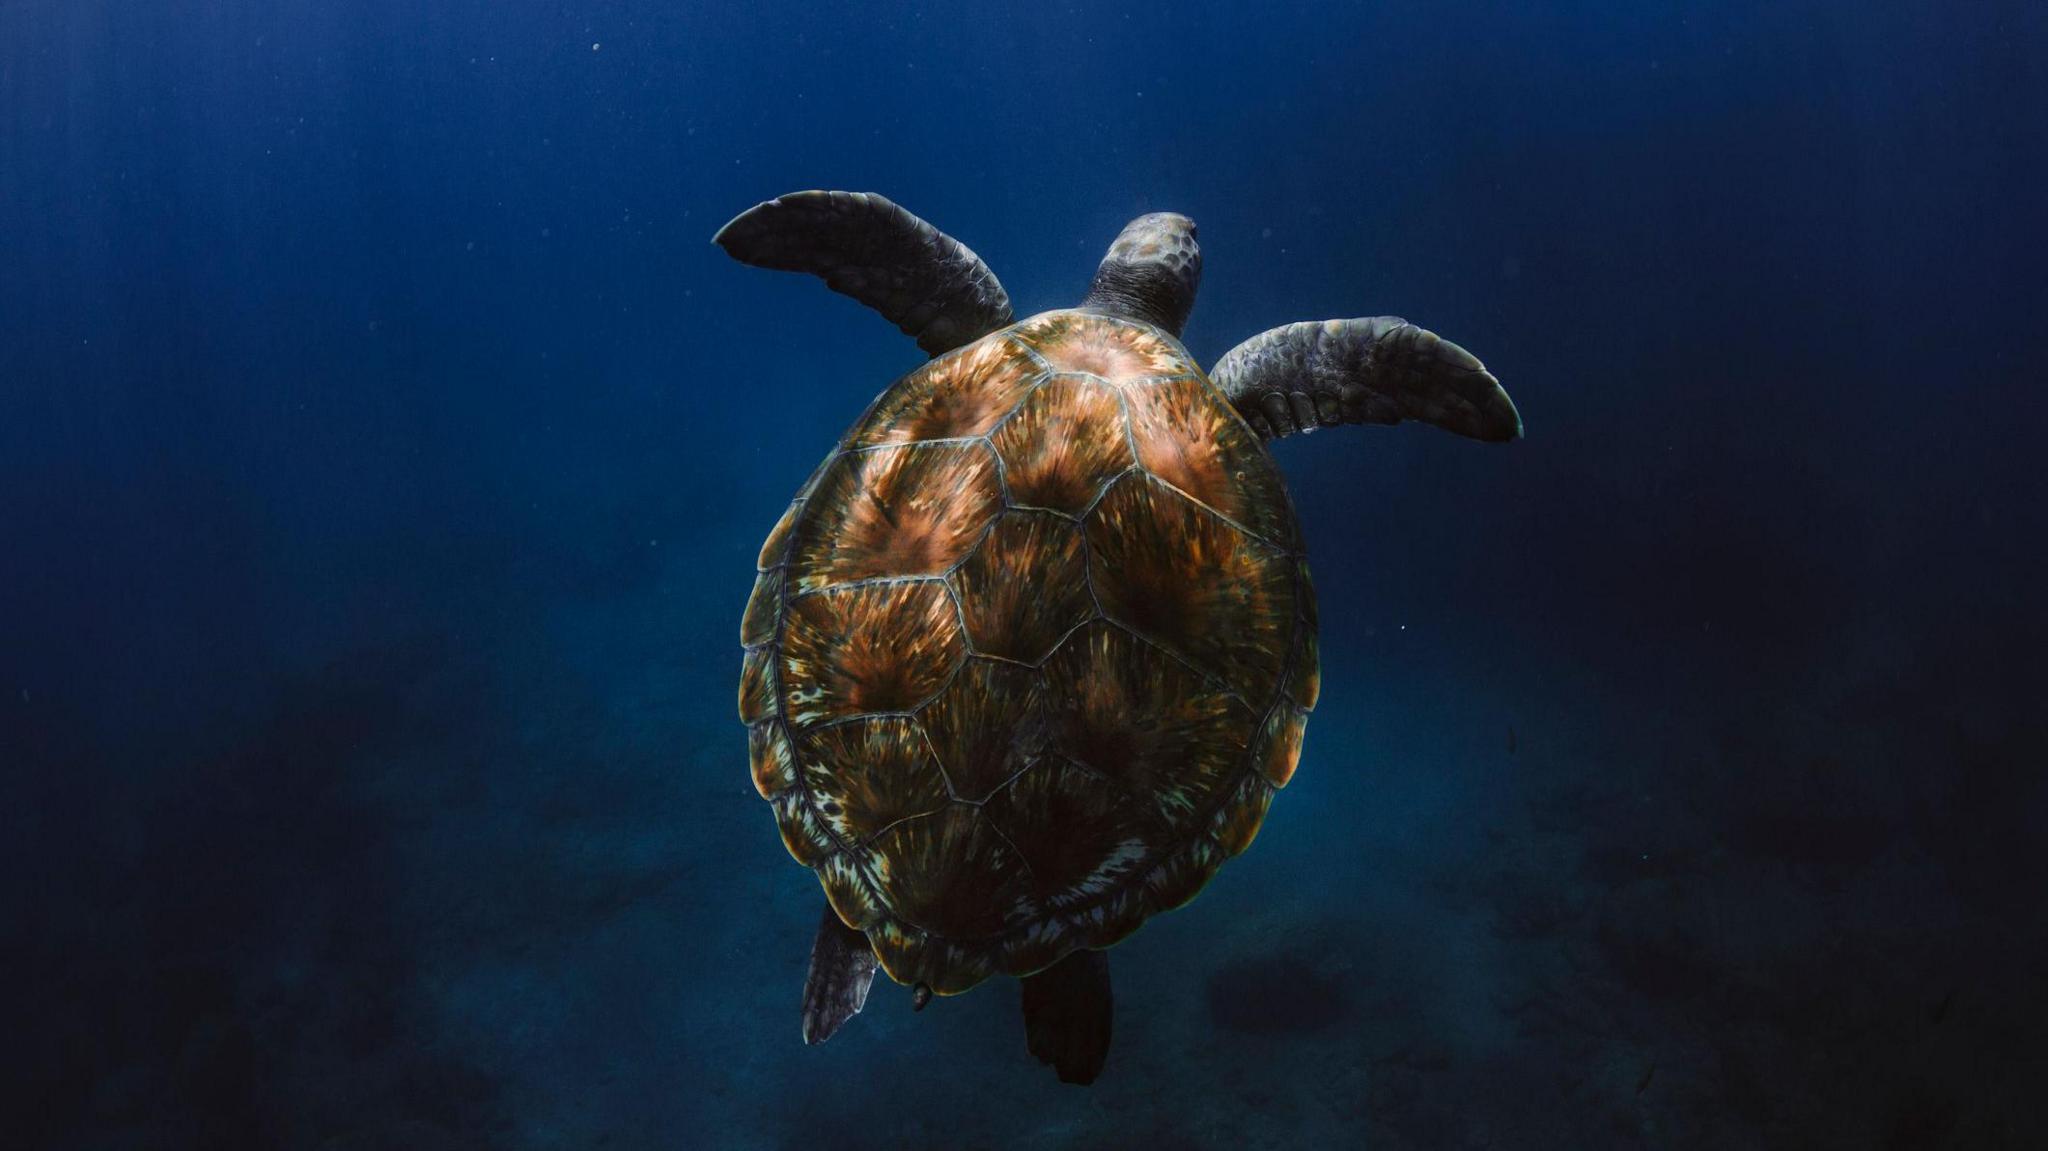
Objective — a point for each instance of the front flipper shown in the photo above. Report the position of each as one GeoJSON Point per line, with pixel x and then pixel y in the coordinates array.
{"type": "Point", "coordinates": [925, 282]}
{"type": "Point", "coordinates": [1067, 1014]}
{"type": "Point", "coordinates": [1377, 370]}
{"type": "Point", "coordinates": [842, 967]}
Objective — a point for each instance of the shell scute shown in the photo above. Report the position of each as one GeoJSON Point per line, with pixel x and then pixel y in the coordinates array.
{"type": "Point", "coordinates": [1064, 444]}
{"type": "Point", "coordinates": [986, 726]}
{"type": "Point", "coordinates": [1112, 920]}
{"type": "Point", "coordinates": [1101, 346]}
{"type": "Point", "coordinates": [911, 955]}
{"type": "Point", "coordinates": [1279, 743]}
{"type": "Point", "coordinates": [803, 834]}
{"type": "Point", "coordinates": [1145, 722]}
{"type": "Point", "coordinates": [772, 759]}
{"type": "Point", "coordinates": [1237, 822]}
{"type": "Point", "coordinates": [956, 396]}
{"type": "Point", "coordinates": [1035, 947]}
{"type": "Point", "coordinates": [1305, 668]}
{"type": "Point", "coordinates": [757, 685]}
{"type": "Point", "coordinates": [866, 775]}
{"type": "Point", "coordinates": [952, 875]}
{"type": "Point", "coordinates": [1189, 438]}
{"type": "Point", "coordinates": [884, 647]}
{"type": "Point", "coordinates": [913, 510]}
{"type": "Point", "coordinates": [764, 603]}
{"type": "Point", "coordinates": [851, 892]}
{"type": "Point", "coordinates": [1025, 587]}
{"type": "Point", "coordinates": [1080, 838]}
{"type": "Point", "coordinates": [1185, 578]}
{"type": "Point", "coordinates": [775, 548]}
{"type": "Point", "coordinates": [1181, 876]}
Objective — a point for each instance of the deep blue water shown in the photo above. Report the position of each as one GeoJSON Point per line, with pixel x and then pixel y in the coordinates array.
{"type": "Point", "coordinates": [383, 449]}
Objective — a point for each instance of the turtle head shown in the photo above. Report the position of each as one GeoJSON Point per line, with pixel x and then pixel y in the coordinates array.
{"type": "Point", "coordinates": [1150, 273]}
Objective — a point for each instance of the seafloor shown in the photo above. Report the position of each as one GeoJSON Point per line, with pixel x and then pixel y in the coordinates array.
{"type": "Point", "coordinates": [507, 882]}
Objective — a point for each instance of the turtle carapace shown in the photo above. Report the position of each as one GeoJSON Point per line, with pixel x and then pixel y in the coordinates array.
{"type": "Point", "coordinates": [1031, 652]}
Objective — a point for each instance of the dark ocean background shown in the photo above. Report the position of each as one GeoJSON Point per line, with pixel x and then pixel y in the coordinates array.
{"type": "Point", "coordinates": [384, 448]}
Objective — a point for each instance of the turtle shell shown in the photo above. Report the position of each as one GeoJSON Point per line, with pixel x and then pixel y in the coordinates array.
{"type": "Point", "coordinates": [1030, 652]}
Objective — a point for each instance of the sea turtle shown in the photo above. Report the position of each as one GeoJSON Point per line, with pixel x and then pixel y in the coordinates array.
{"type": "Point", "coordinates": [1029, 654]}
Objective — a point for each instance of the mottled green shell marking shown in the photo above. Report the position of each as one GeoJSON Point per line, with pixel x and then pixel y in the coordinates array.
{"type": "Point", "coordinates": [1028, 656]}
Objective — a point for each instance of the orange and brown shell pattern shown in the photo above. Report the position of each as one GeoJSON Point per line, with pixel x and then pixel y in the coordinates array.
{"type": "Point", "coordinates": [1031, 651]}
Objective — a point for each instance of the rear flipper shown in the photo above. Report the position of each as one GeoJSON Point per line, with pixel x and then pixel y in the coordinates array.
{"type": "Point", "coordinates": [1067, 1015]}
{"type": "Point", "coordinates": [842, 968]}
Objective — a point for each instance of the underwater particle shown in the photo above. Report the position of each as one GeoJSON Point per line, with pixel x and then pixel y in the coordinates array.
{"type": "Point", "coordinates": [595, 47]}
